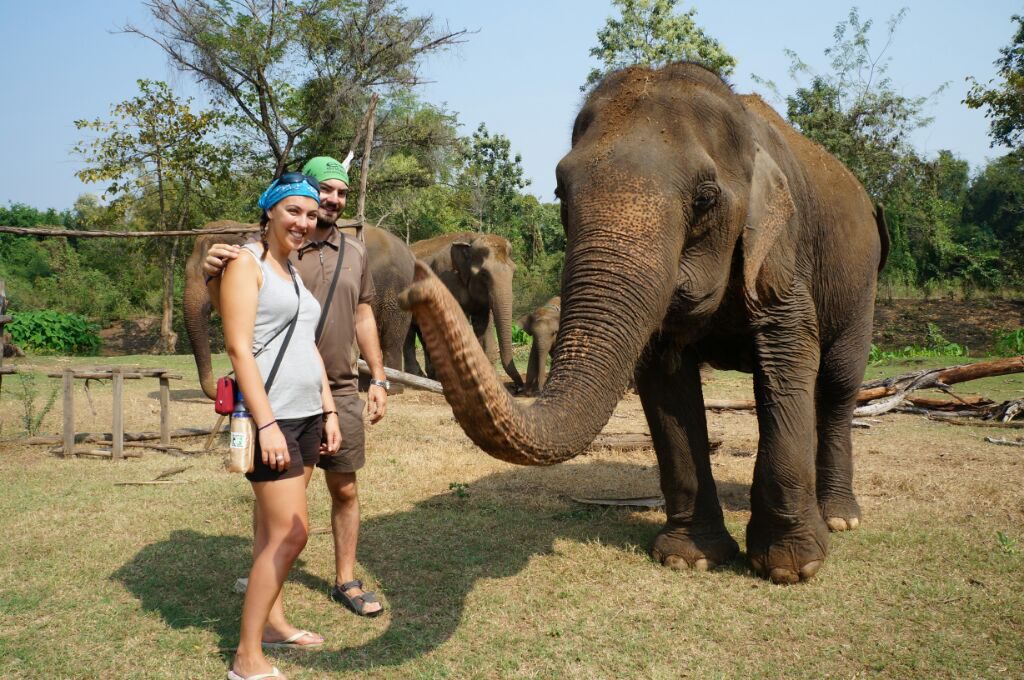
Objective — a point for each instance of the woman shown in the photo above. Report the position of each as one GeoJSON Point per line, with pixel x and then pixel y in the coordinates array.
{"type": "Point", "coordinates": [260, 298]}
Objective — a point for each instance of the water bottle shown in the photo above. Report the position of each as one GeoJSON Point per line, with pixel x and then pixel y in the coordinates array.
{"type": "Point", "coordinates": [243, 438]}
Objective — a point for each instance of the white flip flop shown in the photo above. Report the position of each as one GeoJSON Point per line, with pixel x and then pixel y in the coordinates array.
{"type": "Point", "coordinates": [261, 676]}
{"type": "Point", "coordinates": [291, 642]}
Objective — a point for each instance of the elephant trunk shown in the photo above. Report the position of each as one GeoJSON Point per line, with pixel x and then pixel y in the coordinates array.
{"type": "Point", "coordinates": [615, 293]}
{"type": "Point", "coordinates": [501, 309]}
{"type": "Point", "coordinates": [197, 323]}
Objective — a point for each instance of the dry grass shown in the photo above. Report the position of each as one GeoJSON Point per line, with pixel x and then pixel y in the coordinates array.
{"type": "Point", "coordinates": [508, 577]}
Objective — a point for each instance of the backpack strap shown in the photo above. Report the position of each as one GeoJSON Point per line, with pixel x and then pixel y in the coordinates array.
{"type": "Point", "coordinates": [330, 293]}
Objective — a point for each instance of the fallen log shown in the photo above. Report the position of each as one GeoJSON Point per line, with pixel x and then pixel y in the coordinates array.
{"type": "Point", "coordinates": [626, 441]}
{"type": "Point", "coordinates": [939, 377]}
{"type": "Point", "coordinates": [104, 453]}
{"type": "Point", "coordinates": [403, 378]}
{"type": "Point", "coordinates": [100, 437]}
{"type": "Point", "coordinates": [1005, 442]}
{"type": "Point", "coordinates": [974, 422]}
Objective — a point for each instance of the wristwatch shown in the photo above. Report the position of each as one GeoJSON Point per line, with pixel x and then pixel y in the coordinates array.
{"type": "Point", "coordinates": [381, 383]}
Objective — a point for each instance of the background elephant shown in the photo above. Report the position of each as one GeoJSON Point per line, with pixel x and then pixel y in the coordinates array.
{"type": "Point", "coordinates": [542, 324]}
{"type": "Point", "coordinates": [391, 265]}
{"type": "Point", "coordinates": [477, 269]}
{"type": "Point", "coordinates": [699, 226]}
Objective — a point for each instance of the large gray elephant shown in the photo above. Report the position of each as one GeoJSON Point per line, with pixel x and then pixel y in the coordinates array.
{"type": "Point", "coordinates": [477, 269]}
{"type": "Point", "coordinates": [542, 324]}
{"type": "Point", "coordinates": [699, 226]}
{"type": "Point", "coordinates": [391, 265]}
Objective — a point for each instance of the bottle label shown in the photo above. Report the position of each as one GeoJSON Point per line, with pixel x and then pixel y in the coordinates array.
{"type": "Point", "coordinates": [238, 440]}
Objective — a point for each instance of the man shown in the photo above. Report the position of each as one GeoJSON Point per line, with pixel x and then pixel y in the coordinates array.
{"type": "Point", "coordinates": [349, 318]}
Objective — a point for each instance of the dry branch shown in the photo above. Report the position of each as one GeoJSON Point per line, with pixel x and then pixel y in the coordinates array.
{"type": "Point", "coordinates": [974, 422]}
{"type": "Point", "coordinates": [61, 232]}
{"type": "Point", "coordinates": [939, 377]}
{"type": "Point", "coordinates": [155, 482]}
{"type": "Point", "coordinates": [1005, 442]}
{"type": "Point", "coordinates": [98, 437]}
{"type": "Point", "coordinates": [407, 379]}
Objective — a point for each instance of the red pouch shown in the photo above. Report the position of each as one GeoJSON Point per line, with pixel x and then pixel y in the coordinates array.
{"type": "Point", "coordinates": [225, 403]}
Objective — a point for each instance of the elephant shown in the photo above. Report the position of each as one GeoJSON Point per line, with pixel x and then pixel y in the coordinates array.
{"type": "Point", "coordinates": [699, 226]}
{"type": "Point", "coordinates": [391, 265]}
{"type": "Point", "coordinates": [542, 324]}
{"type": "Point", "coordinates": [477, 268]}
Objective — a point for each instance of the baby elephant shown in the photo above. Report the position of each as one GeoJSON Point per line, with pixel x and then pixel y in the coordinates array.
{"type": "Point", "coordinates": [542, 324]}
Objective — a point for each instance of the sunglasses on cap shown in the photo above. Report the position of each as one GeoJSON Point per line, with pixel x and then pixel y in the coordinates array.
{"type": "Point", "coordinates": [298, 178]}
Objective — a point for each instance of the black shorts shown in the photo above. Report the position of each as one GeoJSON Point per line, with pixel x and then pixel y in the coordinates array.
{"type": "Point", "coordinates": [352, 455]}
{"type": "Point", "coordinates": [303, 438]}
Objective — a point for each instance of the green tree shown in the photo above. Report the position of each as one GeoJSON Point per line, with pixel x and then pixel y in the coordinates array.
{"type": "Point", "coordinates": [490, 181]}
{"type": "Point", "coordinates": [995, 212]}
{"type": "Point", "coordinates": [155, 145]}
{"type": "Point", "coordinates": [1005, 101]}
{"type": "Point", "coordinates": [292, 69]}
{"type": "Point", "coordinates": [651, 33]}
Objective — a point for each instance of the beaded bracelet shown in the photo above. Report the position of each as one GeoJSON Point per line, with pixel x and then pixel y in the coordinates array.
{"type": "Point", "coordinates": [260, 429]}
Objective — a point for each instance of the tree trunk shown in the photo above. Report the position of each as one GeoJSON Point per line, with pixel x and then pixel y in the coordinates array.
{"type": "Point", "coordinates": [168, 338]}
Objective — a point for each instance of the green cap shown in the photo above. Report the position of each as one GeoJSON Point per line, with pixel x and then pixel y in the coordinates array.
{"type": "Point", "coordinates": [323, 168]}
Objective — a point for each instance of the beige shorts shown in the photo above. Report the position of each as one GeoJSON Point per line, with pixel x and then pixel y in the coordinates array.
{"type": "Point", "coordinates": [352, 455]}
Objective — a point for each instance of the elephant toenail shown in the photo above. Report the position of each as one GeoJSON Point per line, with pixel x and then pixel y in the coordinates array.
{"type": "Point", "coordinates": [836, 524]}
{"type": "Point", "coordinates": [780, 575]}
{"type": "Point", "coordinates": [854, 522]}
{"type": "Point", "coordinates": [676, 562]}
{"type": "Point", "coordinates": [810, 569]}
{"type": "Point", "coordinates": [701, 565]}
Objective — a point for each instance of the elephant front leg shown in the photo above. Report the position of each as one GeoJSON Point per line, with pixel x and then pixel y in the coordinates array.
{"type": "Point", "coordinates": [787, 540]}
{"type": "Point", "coordinates": [694, 535]}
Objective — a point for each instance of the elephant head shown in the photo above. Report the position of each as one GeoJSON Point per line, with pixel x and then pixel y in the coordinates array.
{"type": "Point", "coordinates": [196, 300]}
{"type": "Point", "coordinates": [478, 270]}
{"type": "Point", "coordinates": [668, 203]}
{"type": "Point", "coordinates": [542, 324]}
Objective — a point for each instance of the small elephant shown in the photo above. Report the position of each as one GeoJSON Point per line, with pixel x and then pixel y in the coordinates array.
{"type": "Point", "coordinates": [542, 324]}
{"type": "Point", "coordinates": [391, 265]}
{"type": "Point", "coordinates": [700, 226]}
{"type": "Point", "coordinates": [477, 269]}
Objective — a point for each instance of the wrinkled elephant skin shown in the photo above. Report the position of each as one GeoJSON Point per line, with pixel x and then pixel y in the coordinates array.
{"type": "Point", "coordinates": [699, 226]}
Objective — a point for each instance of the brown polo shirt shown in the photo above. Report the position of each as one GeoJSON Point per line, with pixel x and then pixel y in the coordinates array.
{"type": "Point", "coordinates": [315, 263]}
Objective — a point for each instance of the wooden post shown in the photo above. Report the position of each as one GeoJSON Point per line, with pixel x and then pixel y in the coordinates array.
{"type": "Point", "coordinates": [3, 320]}
{"type": "Point", "coordinates": [165, 411]}
{"type": "Point", "coordinates": [213, 433]}
{"type": "Point", "coordinates": [69, 413]}
{"type": "Point", "coordinates": [117, 431]}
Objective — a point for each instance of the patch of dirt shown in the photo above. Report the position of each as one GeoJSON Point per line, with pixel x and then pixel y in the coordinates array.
{"type": "Point", "coordinates": [973, 323]}
{"type": "Point", "coordinates": [131, 336]}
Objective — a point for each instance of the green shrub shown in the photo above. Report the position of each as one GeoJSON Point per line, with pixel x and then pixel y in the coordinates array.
{"type": "Point", "coordinates": [1009, 343]}
{"type": "Point", "coordinates": [53, 332]}
{"type": "Point", "coordinates": [938, 346]}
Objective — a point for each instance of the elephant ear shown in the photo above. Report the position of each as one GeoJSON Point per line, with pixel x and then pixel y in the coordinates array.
{"type": "Point", "coordinates": [769, 249]}
{"type": "Point", "coordinates": [526, 323]}
{"type": "Point", "coordinates": [462, 253]}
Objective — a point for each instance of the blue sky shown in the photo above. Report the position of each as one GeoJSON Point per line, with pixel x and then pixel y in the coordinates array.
{"type": "Point", "coordinates": [519, 72]}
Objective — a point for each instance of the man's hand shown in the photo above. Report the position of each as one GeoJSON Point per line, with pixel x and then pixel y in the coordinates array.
{"type": "Point", "coordinates": [377, 403]}
{"type": "Point", "coordinates": [217, 258]}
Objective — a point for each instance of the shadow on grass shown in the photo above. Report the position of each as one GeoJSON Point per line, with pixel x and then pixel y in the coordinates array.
{"type": "Point", "coordinates": [427, 559]}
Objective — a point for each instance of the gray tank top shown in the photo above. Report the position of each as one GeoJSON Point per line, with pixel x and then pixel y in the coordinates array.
{"type": "Point", "coordinates": [295, 392]}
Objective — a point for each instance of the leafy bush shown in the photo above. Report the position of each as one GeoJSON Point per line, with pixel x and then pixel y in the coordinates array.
{"type": "Point", "coordinates": [938, 346]}
{"type": "Point", "coordinates": [1010, 343]}
{"type": "Point", "coordinates": [519, 336]}
{"type": "Point", "coordinates": [56, 332]}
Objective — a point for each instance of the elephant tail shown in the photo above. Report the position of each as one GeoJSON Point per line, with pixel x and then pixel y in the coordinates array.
{"type": "Point", "coordinates": [883, 234]}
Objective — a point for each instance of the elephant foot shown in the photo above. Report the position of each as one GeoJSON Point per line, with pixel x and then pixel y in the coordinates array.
{"type": "Point", "coordinates": [840, 514]}
{"type": "Point", "coordinates": [691, 548]}
{"type": "Point", "coordinates": [790, 553]}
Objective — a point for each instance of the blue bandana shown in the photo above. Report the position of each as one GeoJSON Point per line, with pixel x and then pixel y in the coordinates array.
{"type": "Point", "coordinates": [277, 191]}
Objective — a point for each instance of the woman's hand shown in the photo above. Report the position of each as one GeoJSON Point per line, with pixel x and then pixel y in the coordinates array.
{"type": "Point", "coordinates": [217, 257]}
{"type": "Point", "coordinates": [274, 448]}
{"type": "Point", "coordinates": [332, 436]}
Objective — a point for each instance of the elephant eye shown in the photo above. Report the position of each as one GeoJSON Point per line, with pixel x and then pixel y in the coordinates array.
{"type": "Point", "coordinates": [707, 196]}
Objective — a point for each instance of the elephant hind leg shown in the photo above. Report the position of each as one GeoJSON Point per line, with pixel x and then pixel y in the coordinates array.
{"type": "Point", "coordinates": [411, 363]}
{"type": "Point", "coordinates": [839, 379]}
{"type": "Point", "coordinates": [694, 535]}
